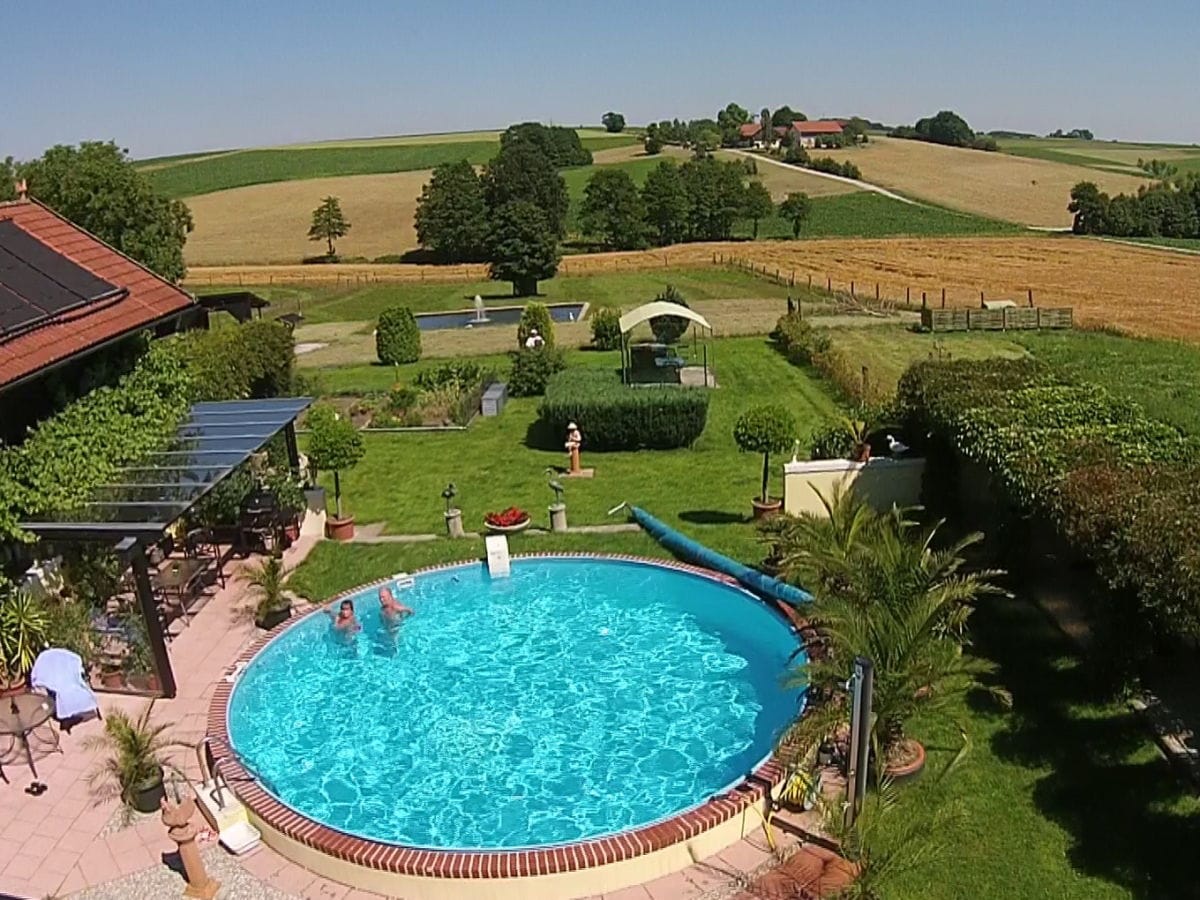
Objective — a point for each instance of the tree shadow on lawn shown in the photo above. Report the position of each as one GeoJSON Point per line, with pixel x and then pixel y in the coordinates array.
{"type": "Point", "coordinates": [1107, 788]}
{"type": "Point", "coordinates": [712, 517]}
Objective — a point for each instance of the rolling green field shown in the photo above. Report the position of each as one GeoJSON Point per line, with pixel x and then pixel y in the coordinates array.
{"type": "Point", "coordinates": [204, 173]}
{"type": "Point", "coordinates": [1109, 156]}
{"type": "Point", "coordinates": [869, 215]}
{"type": "Point", "coordinates": [328, 303]}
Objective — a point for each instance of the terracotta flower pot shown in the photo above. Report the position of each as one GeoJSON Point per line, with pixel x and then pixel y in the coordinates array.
{"type": "Point", "coordinates": [765, 509]}
{"type": "Point", "coordinates": [912, 766]}
{"type": "Point", "coordinates": [339, 529]}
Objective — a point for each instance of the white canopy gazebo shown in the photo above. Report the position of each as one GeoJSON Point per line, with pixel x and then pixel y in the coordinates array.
{"type": "Point", "coordinates": [645, 313]}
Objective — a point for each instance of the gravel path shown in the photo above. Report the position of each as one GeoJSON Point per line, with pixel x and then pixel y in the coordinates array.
{"type": "Point", "coordinates": [161, 882]}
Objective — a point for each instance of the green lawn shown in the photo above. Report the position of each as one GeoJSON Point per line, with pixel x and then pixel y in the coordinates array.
{"type": "Point", "coordinates": [1092, 154]}
{"type": "Point", "coordinates": [327, 303]}
{"type": "Point", "coordinates": [869, 215]}
{"type": "Point", "coordinates": [502, 461]}
{"type": "Point", "coordinates": [239, 168]}
{"type": "Point", "coordinates": [1162, 376]}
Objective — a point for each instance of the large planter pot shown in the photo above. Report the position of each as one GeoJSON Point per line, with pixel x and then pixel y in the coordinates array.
{"type": "Point", "coordinates": [508, 529]}
{"type": "Point", "coordinates": [763, 510]}
{"type": "Point", "coordinates": [273, 617]}
{"type": "Point", "coordinates": [907, 771]}
{"type": "Point", "coordinates": [147, 797]}
{"type": "Point", "coordinates": [339, 529]}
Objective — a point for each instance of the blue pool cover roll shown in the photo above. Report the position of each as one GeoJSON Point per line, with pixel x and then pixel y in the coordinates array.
{"type": "Point", "coordinates": [697, 553]}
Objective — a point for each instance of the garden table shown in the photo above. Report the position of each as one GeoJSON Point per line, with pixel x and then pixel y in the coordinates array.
{"type": "Point", "coordinates": [178, 581]}
{"type": "Point", "coordinates": [20, 716]}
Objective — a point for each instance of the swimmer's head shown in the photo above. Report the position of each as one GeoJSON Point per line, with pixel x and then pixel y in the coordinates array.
{"type": "Point", "coordinates": [346, 609]}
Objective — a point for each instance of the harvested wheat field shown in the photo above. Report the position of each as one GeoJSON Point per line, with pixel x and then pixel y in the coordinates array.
{"type": "Point", "coordinates": [269, 222]}
{"type": "Point", "coordinates": [1143, 291]}
{"type": "Point", "coordinates": [997, 185]}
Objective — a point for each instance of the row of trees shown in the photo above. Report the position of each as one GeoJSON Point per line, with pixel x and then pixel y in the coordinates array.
{"type": "Point", "coordinates": [96, 186]}
{"type": "Point", "coordinates": [1163, 210]}
{"type": "Point", "coordinates": [947, 127]}
{"type": "Point", "coordinates": [700, 200]}
{"type": "Point", "coordinates": [723, 131]}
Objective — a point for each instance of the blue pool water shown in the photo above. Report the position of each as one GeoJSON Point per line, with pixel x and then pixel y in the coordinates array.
{"type": "Point", "coordinates": [577, 698]}
{"type": "Point", "coordinates": [508, 315]}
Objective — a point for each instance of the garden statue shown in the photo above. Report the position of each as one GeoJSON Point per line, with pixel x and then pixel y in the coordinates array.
{"type": "Point", "coordinates": [574, 441]}
{"type": "Point", "coordinates": [177, 816]}
{"type": "Point", "coordinates": [453, 514]}
{"type": "Point", "coordinates": [558, 509]}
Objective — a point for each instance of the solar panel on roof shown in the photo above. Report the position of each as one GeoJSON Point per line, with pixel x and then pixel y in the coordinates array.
{"type": "Point", "coordinates": [38, 283]}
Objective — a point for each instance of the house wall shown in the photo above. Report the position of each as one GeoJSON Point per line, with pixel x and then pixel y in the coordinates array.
{"type": "Point", "coordinates": [881, 482]}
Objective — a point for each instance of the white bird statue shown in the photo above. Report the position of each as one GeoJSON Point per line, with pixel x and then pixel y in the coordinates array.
{"type": "Point", "coordinates": [897, 448]}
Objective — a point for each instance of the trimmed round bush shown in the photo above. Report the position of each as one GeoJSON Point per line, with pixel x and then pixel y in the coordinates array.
{"type": "Point", "coordinates": [606, 328]}
{"type": "Point", "coordinates": [669, 329]}
{"type": "Point", "coordinates": [765, 429]}
{"type": "Point", "coordinates": [397, 336]}
{"type": "Point", "coordinates": [533, 369]}
{"type": "Point", "coordinates": [535, 315]}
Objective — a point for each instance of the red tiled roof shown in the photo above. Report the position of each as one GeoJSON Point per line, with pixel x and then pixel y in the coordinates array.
{"type": "Point", "coordinates": [820, 126]}
{"type": "Point", "coordinates": [750, 129]}
{"type": "Point", "coordinates": [149, 297]}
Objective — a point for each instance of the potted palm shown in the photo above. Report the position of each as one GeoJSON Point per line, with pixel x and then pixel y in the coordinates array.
{"type": "Point", "coordinates": [24, 628]}
{"type": "Point", "coordinates": [266, 582]}
{"type": "Point", "coordinates": [334, 445]}
{"type": "Point", "coordinates": [134, 760]}
{"type": "Point", "coordinates": [765, 429]}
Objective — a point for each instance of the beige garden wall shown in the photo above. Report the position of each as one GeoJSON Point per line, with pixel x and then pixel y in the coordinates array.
{"type": "Point", "coordinates": [881, 482]}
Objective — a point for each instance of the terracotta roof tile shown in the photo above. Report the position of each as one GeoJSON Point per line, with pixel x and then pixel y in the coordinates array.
{"type": "Point", "coordinates": [818, 126]}
{"type": "Point", "coordinates": [149, 297]}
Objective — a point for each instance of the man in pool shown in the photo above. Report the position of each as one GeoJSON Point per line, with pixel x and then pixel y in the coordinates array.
{"type": "Point", "coordinates": [344, 621]}
{"type": "Point", "coordinates": [391, 609]}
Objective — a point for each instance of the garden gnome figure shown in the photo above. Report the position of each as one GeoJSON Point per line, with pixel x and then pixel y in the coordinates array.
{"type": "Point", "coordinates": [574, 441]}
{"type": "Point", "coordinates": [177, 816]}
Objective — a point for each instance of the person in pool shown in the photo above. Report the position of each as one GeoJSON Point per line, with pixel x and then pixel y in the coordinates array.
{"type": "Point", "coordinates": [392, 609]}
{"type": "Point", "coordinates": [344, 620]}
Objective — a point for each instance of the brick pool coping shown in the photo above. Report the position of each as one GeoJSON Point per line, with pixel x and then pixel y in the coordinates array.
{"type": "Point", "coordinates": [412, 861]}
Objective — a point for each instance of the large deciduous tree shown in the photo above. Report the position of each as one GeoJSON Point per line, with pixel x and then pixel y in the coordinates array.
{"type": "Point", "coordinates": [613, 209]}
{"type": "Point", "coordinates": [522, 246]}
{"type": "Point", "coordinates": [714, 192]}
{"type": "Point", "coordinates": [666, 204]}
{"type": "Point", "coordinates": [613, 122]}
{"type": "Point", "coordinates": [795, 209]}
{"type": "Point", "coordinates": [521, 172]}
{"type": "Point", "coordinates": [756, 204]}
{"type": "Point", "coordinates": [560, 145]}
{"type": "Point", "coordinates": [452, 215]}
{"type": "Point", "coordinates": [946, 128]}
{"type": "Point", "coordinates": [328, 223]}
{"type": "Point", "coordinates": [785, 116]}
{"type": "Point", "coordinates": [96, 186]}
{"type": "Point", "coordinates": [8, 179]}
{"type": "Point", "coordinates": [730, 120]}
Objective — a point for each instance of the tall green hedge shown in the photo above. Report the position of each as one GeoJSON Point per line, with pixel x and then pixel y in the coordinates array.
{"type": "Point", "coordinates": [535, 315]}
{"type": "Point", "coordinates": [613, 416]}
{"type": "Point", "coordinates": [397, 336]}
{"type": "Point", "coordinates": [239, 362]}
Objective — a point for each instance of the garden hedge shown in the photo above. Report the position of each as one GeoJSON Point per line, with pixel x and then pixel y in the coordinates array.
{"type": "Point", "coordinates": [1118, 486]}
{"type": "Point", "coordinates": [533, 369]}
{"type": "Point", "coordinates": [613, 416]}
{"type": "Point", "coordinates": [606, 328]}
{"type": "Point", "coordinates": [535, 315]}
{"type": "Point", "coordinates": [248, 361]}
{"type": "Point", "coordinates": [397, 336]}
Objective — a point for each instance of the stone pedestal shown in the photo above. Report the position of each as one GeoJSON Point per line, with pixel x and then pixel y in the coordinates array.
{"type": "Point", "coordinates": [454, 525]}
{"type": "Point", "coordinates": [178, 819]}
{"type": "Point", "coordinates": [558, 517]}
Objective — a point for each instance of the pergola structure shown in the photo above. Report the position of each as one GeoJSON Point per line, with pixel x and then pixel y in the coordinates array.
{"type": "Point", "coordinates": [645, 313]}
{"type": "Point", "coordinates": [134, 511]}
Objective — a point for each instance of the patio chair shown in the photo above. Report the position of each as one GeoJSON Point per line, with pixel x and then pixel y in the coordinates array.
{"type": "Point", "coordinates": [199, 543]}
{"type": "Point", "coordinates": [59, 673]}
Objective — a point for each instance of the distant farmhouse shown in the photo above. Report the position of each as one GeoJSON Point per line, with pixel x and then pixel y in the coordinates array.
{"type": "Point", "coordinates": [805, 134]}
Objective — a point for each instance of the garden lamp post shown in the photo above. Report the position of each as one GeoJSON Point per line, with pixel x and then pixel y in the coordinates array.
{"type": "Point", "coordinates": [862, 683]}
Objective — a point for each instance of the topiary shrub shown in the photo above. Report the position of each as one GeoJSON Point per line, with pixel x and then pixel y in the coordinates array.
{"type": "Point", "coordinates": [606, 328]}
{"type": "Point", "coordinates": [535, 315]}
{"type": "Point", "coordinates": [765, 429]}
{"type": "Point", "coordinates": [533, 369]}
{"type": "Point", "coordinates": [669, 329]}
{"type": "Point", "coordinates": [334, 444]}
{"type": "Point", "coordinates": [613, 416]}
{"type": "Point", "coordinates": [397, 336]}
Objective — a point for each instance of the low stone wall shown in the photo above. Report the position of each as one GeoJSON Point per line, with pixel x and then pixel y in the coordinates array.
{"type": "Point", "coordinates": [881, 482]}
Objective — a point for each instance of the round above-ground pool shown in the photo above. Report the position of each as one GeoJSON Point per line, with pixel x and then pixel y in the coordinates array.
{"type": "Point", "coordinates": [578, 698]}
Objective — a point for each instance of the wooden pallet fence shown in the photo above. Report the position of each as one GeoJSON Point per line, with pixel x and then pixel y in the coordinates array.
{"type": "Point", "coordinates": [1014, 319]}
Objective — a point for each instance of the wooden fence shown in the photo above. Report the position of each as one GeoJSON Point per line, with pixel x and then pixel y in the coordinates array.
{"type": "Point", "coordinates": [1014, 318]}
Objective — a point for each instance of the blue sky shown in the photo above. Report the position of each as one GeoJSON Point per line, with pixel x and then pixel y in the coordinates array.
{"type": "Point", "coordinates": [172, 77]}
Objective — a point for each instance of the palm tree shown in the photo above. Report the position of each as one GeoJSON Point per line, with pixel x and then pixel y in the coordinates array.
{"type": "Point", "coordinates": [884, 591]}
{"type": "Point", "coordinates": [135, 755]}
{"type": "Point", "coordinates": [266, 585]}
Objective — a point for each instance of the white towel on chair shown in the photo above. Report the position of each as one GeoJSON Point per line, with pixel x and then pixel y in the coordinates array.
{"type": "Point", "coordinates": [60, 672]}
